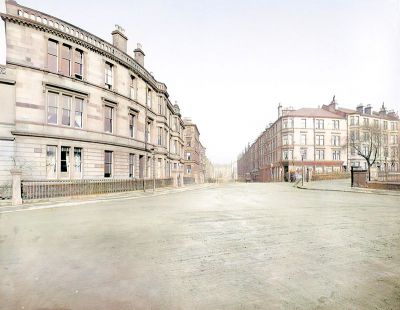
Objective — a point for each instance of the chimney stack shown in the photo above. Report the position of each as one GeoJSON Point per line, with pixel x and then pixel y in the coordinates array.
{"type": "Point", "coordinates": [383, 110]}
{"type": "Point", "coordinates": [368, 109]}
{"type": "Point", "coordinates": [139, 55]}
{"type": "Point", "coordinates": [120, 40]}
{"type": "Point", "coordinates": [279, 110]}
{"type": "Point", "coordinates": [360, 109]}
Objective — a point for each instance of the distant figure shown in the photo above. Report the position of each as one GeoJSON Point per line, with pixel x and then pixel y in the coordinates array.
{"type": "Point", "coordinates": [298, 178]}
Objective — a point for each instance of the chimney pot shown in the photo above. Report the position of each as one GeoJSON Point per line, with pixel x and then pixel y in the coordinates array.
{"type": "Point", "coordinates": [139, 54]}
{"type": "Point", "coordinates": [120, 40]}
{"type": "Point", "coordinates": [360, 109]}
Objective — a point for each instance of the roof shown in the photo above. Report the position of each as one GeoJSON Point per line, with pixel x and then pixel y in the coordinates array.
{"type": "Point", "coordinates": [312, 112]}
{"type": "Point", "coordinates": [345, 110]}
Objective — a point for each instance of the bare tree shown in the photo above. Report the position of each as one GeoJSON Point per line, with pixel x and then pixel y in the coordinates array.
{"type": "Point", "coordinates": [367, 143]}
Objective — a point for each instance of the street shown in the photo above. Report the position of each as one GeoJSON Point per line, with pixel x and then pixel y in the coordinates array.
{"type": "Point", "coordinates": [230, 246]}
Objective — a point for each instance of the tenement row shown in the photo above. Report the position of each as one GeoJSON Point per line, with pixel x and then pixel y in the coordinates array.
{"type": "Point", "coordinates": [325, 140]}
{"type": "Point", "coordinates": [75, 106]}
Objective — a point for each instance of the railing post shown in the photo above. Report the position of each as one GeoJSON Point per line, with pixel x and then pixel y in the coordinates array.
{"type": "Point", "coordinates": [16, 186]}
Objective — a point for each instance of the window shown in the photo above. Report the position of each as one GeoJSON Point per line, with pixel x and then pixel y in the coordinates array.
{"type": "Point", "coordinates": [366, 121]}
{"type": "Point", "coordinates": [303, 139]}
{"type": "Point", "coordinates": [188, 142]}
{"type": "Point", "coordinates": [133, 87]}
{"type": "Point", "coordinates": [385, 125]}
{"type": "Point", "coordinates": [132, 125]}
{"type": "Point", "coordinates": [303, 123]}
{"type": "Point", "coordinates": [376, 123]}
{"type": "Point", "coordinates": [148, 133]}
{"type": "Point", "coordinates": [66, 110]}
{"type": "Point", "coordinates": [352, 120]}
{"type": "Point", "coordinates": [188, 169]}
{"type": "Point", "coordinates": [160, 105]}
{"type": "Point", "coordinates": [336, 140]}
{"type": "Point", "coordinates": [78, 112]}
{"type": "Point", "coordinates": [51, 161]}
{"type": "Point", "coordinates": [385, 139]}
{"type": "Point", "coordinates": [78, 161]}
{"type": "Point", "coordinates": [149, 98]}
{"type": "Point", "coordinates": [52, 108]}
{"type": "Point", "coordinates": [393, 126]}
{"type": "Point", "coordinates": [66, 59]}
{"type": "Point", "coordinates": [159, 135]}
{"type": "Point", "coordinates": [393, 139]}
{"type": "Point", "coordinates": [303, 153]}
{"type": "Point", "coordinates": [78, 64]}
{"type": "Point", "coordinates": [335, 124]}
{"type": "Point", "coordinates": [319, 139]}
{"type": "Point", "coordinates": [319, 154]}
{"type": "Point", "coordinates": [108, 164]}
{"type": "Point", "coordinates": [290, 139]}
{"type": "Point", "coordinates": [108, 119]}
{"type": "Point", "coordinates": [285, 140]}
{"type": "Point", "coordinates": [174, 147]}
{"type": "Point", "coordinates": [65, 159]}
{"type": "Point", "coordinates": [131, 165]}
{"type": "Point", "coordinates": [108, 75]}
{"type": "Point", "coordinates": [52, 56]}
{"type": "Point", "coordinates": [336, 154]}
{"type": "Point", "coordinates": [188, 156]}
{"type": "Point", "coordinates": [320, 123]}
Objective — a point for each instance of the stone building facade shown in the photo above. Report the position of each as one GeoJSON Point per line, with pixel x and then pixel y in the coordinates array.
{"type": "Point", "coordinates": [318, 141]}
{"type": "Point", "coordinates": [195, 157]}
{"type": "Point", "coordinates": [75, 106]}
{"type": "Point", "coordinates": [361, 123]}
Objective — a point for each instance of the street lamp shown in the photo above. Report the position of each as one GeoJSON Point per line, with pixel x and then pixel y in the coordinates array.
{"type": "Point", "coordinates": [386, 170]}
{"type": "Point", "coordinates": [154, 172]}
{"type": "Point", "coordinates": [302, 170]}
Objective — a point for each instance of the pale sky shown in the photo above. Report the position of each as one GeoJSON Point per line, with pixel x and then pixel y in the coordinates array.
{"type": "Point", "coordinates": [229, 63]}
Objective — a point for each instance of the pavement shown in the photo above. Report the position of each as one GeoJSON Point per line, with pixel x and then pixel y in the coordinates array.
{"type": "Point", "coordinates": [344, 185]}
{"type": "Point", "coordinates": [6, 206]}
{"type": "Point", "coordinates": [231, 246]}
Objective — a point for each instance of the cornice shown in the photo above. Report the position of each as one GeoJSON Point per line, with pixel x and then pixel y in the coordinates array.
{"type": "Point", "coordinates": [85, 39]}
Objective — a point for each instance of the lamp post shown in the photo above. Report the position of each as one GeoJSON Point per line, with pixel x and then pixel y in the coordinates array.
{"type": "Point", "coordinates": [386, 170]}
{"type": "Point", "coordinates": [302, 170]}
{"type": "Point", "coordinates": [154, 170]}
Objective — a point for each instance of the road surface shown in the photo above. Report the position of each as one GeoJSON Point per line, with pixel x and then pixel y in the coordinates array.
{"type": "Point", "coordinates": [234, 246]}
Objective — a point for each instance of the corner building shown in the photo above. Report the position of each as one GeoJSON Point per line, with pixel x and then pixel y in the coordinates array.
{"type": "Point", "coordinates": [195, 154]}
{"type": "Point", "coordinates": [313, 139]}
{"type": "Point", "coordinates": [80, 107]}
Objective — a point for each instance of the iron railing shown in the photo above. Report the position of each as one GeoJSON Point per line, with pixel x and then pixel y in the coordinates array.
{"type": "Point", "coordinates": [40, 189]}
{"type": "Point", "coordinates": [5, 191]}
{"type": "Point", "coordinates": [389, 176]}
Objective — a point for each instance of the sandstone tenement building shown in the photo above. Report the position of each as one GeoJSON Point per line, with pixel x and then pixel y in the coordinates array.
{"type": "Point", "coordinates": [77, 107]}
{"type": "Point", "coordinates": [195, 158]}
{"type": "Point", "coordinates": [318, 140]}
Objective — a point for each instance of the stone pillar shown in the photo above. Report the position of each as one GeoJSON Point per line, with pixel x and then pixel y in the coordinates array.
{"type": "Point", "coordinates": [16, 186]}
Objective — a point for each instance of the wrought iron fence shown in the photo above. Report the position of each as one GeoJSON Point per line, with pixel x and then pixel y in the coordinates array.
{"type": "Point", "coordinates": [389, 176]}
{"type": "Point", "coordinates": [5, 191]}
{"type": "Point", "coordinates": [40, 189]}
{"type": "Point", "coordinates": [188, 180]}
